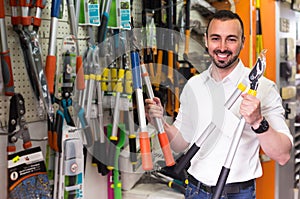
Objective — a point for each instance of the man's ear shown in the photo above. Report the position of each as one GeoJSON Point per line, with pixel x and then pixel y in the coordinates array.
{"type": "Point", "coordinates": [243, 41]}
{"type": "Point", "coordinates": [205, 39]}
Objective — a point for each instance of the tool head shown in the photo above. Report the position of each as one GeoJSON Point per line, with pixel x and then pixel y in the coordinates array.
{"type": "Point", "coordinates": [258, 69]}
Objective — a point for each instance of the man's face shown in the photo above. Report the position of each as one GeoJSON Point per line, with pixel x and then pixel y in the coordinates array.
{"type": "Point", "coordinates": [224, 42]}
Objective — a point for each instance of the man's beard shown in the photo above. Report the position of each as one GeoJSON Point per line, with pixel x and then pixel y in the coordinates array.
{"type": "Point", "coordinates": [224, 64]}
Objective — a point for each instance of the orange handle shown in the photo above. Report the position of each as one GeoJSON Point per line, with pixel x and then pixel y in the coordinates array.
{"type": "Point", "coordinates": [27, 145]}
{"type": "Point", "coordinates": [145, 151]}
{"type": "Point", "coordinates": [79, 74]}
{"type": "Point", "coordinates": [166, 149]}
{"type": "Point", "coordinates": [151, 71]}
{"type": "Point", "coordinates": [50, 70]}
{"type": "Point", "coordinates": [50, 139]}
{"type": "Point", "coordinates": [187, 42]}
{"type": "Point", "coordinates": [157, 80]}
{"type": "Point", "coordinates": [11, 149]}
{"type": "Point", "coordinates": [171, 65]}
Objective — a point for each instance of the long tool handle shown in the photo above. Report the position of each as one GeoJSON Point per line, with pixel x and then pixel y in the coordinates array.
{"type": "Point", "coordinates": [162, 135]}
{"type": "Point", "coordinates": [104, 21]}
{"type": "Point", "coordinates": [84, 124]}
{"type": "Point", "coordinates": [116, 173]}
{"type": "Point", "coordinates": [226, 168]}
{"type": "Point", "coordinates": [80, 85]}
{"type": "Point", "coordinates": [50, 68]}
{"type": "Point", "coordinates": [171, 48]}
{"type": "Point", "coordinates": [144, 139]}
{"type": "Point", "coordinates": [5, 56]}
{"type": "Point", "coordinates": [232, 150]}
{"type": "Point", "coordinates": [132, 134]}
{"type": "Point", "coordinates": [99, 150]}
{"type": "Point", "coordinates": [114, 136]}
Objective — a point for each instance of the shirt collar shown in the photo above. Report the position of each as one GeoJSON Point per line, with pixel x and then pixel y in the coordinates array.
{"type": "Point", "coordinates": [235, 75]}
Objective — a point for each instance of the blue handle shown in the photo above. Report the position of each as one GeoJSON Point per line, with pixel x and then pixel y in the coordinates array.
{"type": "Point", "coordinates": [136, 70]}
{"type": "Point", "coordinates": [55, 5]}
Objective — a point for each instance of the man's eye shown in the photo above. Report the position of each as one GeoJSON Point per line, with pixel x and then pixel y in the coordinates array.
{"type": "Point", "coordinates": [231, 40]}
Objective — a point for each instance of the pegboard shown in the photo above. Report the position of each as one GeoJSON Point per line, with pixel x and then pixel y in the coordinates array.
{"type": "Point", "coordinates": [21, 80]}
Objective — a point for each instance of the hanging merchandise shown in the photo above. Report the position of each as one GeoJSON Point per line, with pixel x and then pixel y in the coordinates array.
{"type": "Point", "coordinates": [51, 60]}
{"type": "Point", "coordinates": [120, 14]}
{"type": "Point", "coordinates": [97, 122]}
{"type": "Point", "coordinates": [74, 29]}
{"type": "Point", "coordinates": [186, 68]}
{"type": "Point", "coordinates": [6, 79]}
{"type": "Point", "coordinates": [31, 48]}
{"type": "Point", "coordinates": [89, 13]}
{"type": "Point", "coordinates": [65, 137]}
{"type": "Point", "coordinates": [27, 174]}
{"type": "Point", "coordinates": [259, 37]}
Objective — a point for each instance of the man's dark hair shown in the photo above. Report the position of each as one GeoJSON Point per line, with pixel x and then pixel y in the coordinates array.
{"type": "Point", "coordinates": [226, 15]}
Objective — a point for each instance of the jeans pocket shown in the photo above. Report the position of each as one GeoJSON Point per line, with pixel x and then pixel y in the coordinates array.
{"type": "Point", "coordinates": [191, 191]}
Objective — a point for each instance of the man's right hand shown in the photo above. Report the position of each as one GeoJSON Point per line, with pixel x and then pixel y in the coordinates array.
{"type": "Point", "coordinates": [154, 109]}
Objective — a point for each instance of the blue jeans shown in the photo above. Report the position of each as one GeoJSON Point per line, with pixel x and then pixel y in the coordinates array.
{"type": "Point", "coordinates": [194, 192]}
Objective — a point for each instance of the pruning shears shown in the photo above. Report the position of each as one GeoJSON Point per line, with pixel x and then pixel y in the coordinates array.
{"type": "Point", "coordinates": [257, 71]}
{"type": "Point", "coordinates": [254, 75]}
{"type": "Point", "coordinates": [17, 126]}
{"type": "Point", "coordinates": [32, 50]}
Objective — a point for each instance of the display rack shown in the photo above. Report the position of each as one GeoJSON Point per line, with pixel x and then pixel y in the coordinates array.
{"type": "Point", "coordinates": [21, 80]}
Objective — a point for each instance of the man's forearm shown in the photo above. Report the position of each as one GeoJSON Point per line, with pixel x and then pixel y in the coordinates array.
{"type": "Point", "coordinates": [276, 145]}
{"type": "Point", "coordinates": [178, 144]}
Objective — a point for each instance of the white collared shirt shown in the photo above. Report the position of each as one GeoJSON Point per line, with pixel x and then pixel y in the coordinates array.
{"type": "Point", "coordinates": [202, 102]}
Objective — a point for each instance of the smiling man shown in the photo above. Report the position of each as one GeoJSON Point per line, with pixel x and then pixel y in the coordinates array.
{"type": "Point", "coordinates": [202, 102]}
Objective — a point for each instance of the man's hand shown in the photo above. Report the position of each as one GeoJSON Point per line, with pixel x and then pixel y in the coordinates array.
{"type": "Point", "coordinates": [250, 110]}
{"type": "Point", "coordinates": [154, 109]}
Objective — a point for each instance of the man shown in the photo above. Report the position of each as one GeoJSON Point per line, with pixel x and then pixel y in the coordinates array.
{"type": "Point", "coordinates": [200, 103]}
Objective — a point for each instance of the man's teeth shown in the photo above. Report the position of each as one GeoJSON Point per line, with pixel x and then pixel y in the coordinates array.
{"type": "Point", "coordinates": [222, 55]}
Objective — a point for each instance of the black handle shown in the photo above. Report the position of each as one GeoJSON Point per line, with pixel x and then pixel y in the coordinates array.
{"type": "Point", "coordinates": [221, 182]}
{"type": "Point", "coordinates": [99, 157]}
{"type": "Point", "coordinates": [182, 164]}
{"type": "Point", "coordinates": [132, 149]}
{"type": "Point", "coordinates": [102, 28]}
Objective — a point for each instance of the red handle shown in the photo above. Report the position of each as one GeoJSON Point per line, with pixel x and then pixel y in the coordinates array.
{"type": "Point", "coordinates": [50, 70]}
{"type": "Point", "coordinates": [145, 151]}
{"type": "Point", "coordinates": [79, 74]}
{"type": "Point", "coordinates": [166, 149]}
